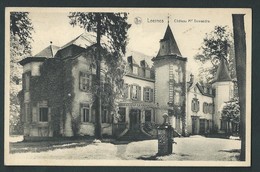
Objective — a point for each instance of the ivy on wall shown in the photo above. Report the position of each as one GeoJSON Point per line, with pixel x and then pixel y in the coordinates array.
{"type": "Point", "coordinates": [55, 85]}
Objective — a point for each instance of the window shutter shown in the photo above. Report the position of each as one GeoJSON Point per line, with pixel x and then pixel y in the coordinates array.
{"type": "Point", "coordinates": [144, 90]}
{"type": "Point", "coordinates": [139, 93]}
{"type": "Point", "coordinates": [81, 111]}
{"type": "Point", "coordinates": [151, 95]}
{"type": "Point", "coordinates": [34, 114]}
{"type": "Point", "coordinates": [93, 114]}
{"type": "Point", "coordinates": [126, 91]}
{"type": "Point", "coordinates": [80, 82]}
{"type": "Point", "coordinates": [131, 91]}
{"type": "Point", "coordinates": [49, 114]}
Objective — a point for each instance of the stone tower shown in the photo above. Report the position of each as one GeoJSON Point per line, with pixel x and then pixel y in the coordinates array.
{"type": "Point", "coordinates": [223, 86]}
{"type": "Point", "coordinates": [170, 82]}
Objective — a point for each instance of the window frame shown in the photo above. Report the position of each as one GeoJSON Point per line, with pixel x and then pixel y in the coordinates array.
{"type": "Point", "coordinates": [145, 115]}
{"type": "Point", "coordinates": [135, 70]}
{"type": "Point", "coordinates": [41, 117]}
{"type": "Point", "coordinates": [122, 120]}
{"type": "Point", "coordinates": [85, 117]}
{"type": "Point", "coordinates": [137, 92]}
{"type": "Point", "coordinates": [85, 81]}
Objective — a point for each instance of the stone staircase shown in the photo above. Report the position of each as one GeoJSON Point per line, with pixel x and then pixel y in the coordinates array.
{"type": "Point", "coordinates": [134, 135]}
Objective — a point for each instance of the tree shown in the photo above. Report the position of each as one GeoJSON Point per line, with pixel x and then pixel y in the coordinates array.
{"type": "Point", "coordinates": [216, 45]}
{"type": "Point", "coordinates": [113, 28]}
{"type": "Point", "coordinates": [20, 39]}
{"type": "Point", "coordinates": [231, 114]}
{"type": "Point", "coordinates": [240, 54]}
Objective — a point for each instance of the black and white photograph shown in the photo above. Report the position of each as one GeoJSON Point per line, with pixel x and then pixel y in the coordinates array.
{"type": "Point", "coordinates": [128, 86]}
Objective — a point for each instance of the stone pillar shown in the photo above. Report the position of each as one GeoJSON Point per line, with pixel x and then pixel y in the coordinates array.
{"type": "Point", "coordinates": [165, 141]}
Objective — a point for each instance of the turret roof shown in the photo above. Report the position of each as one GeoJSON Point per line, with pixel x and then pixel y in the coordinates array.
{"type": "Point", "coordinates": [173, 48]}
{"type": "Point", "coordinates": [222, 72]}
{"type": "Point", "coordinates": [48, 52]}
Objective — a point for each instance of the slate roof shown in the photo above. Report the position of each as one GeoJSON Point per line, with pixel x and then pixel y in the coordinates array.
{"type": "Point", "coordinates": [48, 52]}
{"type": "Point", "coordinates": [84, 40]}
{"type": "Point", "coordinates": [173, 48]}
{"type": "Point", "coordinates": [222, 72]}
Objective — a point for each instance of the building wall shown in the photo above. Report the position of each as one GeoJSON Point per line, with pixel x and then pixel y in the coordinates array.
{"type": "Point", "coordinates": [141, 82]}
{"type": "Point", "coordinates": [82, 64]}
{"type": "Point", "coordinates": [161, 91]}
{"type": "Point", "coordinates": [32, 125]}
{"type": "Point", "coordinates": [195, 93]}
{"type": "Point", "coordinates": [224, 92]}
{"type": "Point", "coordinates": [166, 72]}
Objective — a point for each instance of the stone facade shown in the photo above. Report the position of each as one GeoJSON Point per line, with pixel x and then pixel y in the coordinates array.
{"type": "Point", "coordinates": [57, 98]}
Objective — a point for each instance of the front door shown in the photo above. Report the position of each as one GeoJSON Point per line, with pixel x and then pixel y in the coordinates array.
{"type": "Point", "coordinates": [195, 123]}
{"type": "Point", "coordinates": [135, 119]}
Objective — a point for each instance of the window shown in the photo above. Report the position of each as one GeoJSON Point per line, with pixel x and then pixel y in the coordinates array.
{"type": "Point", "coordinates": [148, 116]}
{"type": "Point", "coordinates": [148, 94]}
{"type": "Point", "coordinates": [205, 107]}
{"type": "Point", "coordinates": [84, 81]}
{"type": "Point", "coordinates": [122, 113]}
{"type": "Point", "coordinates": [205, 90]}
{"type": "Point", "coordinates": [43, 114]}
{"type": "Point", "coordinates": [195, 104]}
{"type": "Point", "coordinates": [85, 112]}
{"type": "Point", "coordinates": [93, 114]}
{"type": "Point", "coordinates": [105, 116]}
{"type": "Point", "coordinates": [211, 108]}
{"type": "Point", "coordinates": [135, 70]}
{"type": "Point", "coordinates": [147, 73]}
{"type": "Point", "coordinates": [177, 98]}
{"type": "Point", "coordinates": [26, 81]}
{"type": "Point", "coordinates": [135, 92]}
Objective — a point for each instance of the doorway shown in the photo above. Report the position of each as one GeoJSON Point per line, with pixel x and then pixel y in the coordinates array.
{"type": "Point", "coordinates": [135, 115]}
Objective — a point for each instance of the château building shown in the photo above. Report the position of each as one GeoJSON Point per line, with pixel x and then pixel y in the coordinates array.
{"type": "Point", "coordinates": [57, 99]}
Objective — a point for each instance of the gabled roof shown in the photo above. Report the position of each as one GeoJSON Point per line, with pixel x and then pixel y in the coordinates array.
{"type": "Point", "coordinates": [173, 48]}
{"type": "Point", "coordinates": [84, 40]}
{"type": "Point", "coordinates": [48, 52]}
{"type": "Point", "coordinates": [204, 89]}
{"type": "Point", "coordinates": [222, 72]}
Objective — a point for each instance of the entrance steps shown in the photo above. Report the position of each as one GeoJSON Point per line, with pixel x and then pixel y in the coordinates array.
{"type": "Point", "coordinates": [134, 135]}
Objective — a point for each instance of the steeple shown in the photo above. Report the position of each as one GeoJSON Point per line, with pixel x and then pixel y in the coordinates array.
{"type": "Point", "coordinates": [168, 45]}
{"type": "Point", "coordinates": [222, 72]}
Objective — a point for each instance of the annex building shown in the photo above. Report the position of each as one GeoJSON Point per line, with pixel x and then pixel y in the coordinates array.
{"type": "Point", "coordinates": [56, 99]}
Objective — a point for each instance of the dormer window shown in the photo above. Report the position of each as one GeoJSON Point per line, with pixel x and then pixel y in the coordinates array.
{"type": "Point", "coordinates": [135, 70]}
{"type": "Point", "coordinates": [147, 73]}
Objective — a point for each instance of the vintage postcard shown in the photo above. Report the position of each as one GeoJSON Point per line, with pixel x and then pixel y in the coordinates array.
{"type": "Point", "coordinates": [128, 86]}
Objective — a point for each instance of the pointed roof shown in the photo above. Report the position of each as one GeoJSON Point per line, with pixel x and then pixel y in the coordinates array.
{"type": "Point", "coordinates": [173, 47]}
{"type": "Point", "coordinates": [222, 72]}
{"type": "Point", "coordinates": [48, 52]}
{"type": "Point", "coordinates": [84, 40]}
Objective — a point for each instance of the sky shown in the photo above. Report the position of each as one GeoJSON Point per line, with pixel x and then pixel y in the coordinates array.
{"type": "Point", "coordinates": [52, 24]}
